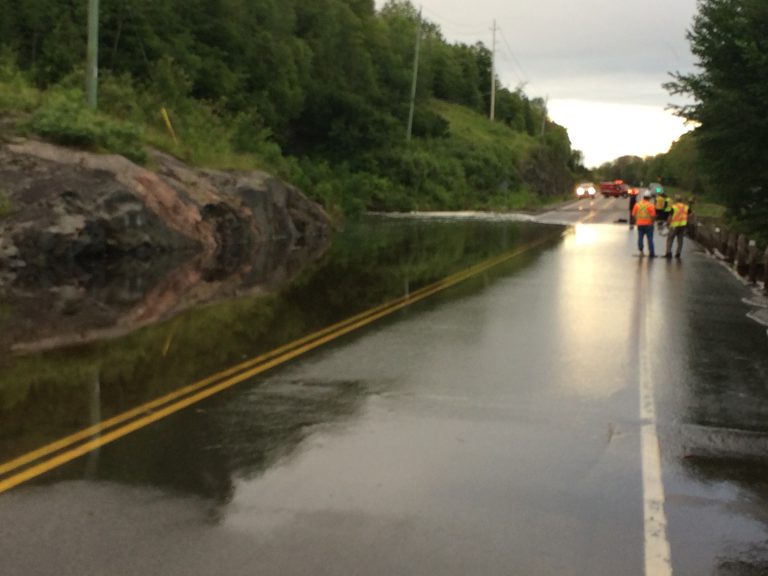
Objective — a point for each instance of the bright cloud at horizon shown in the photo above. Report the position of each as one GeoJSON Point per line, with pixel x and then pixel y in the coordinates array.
{"type": "Point", "coordinates": [605, 131]}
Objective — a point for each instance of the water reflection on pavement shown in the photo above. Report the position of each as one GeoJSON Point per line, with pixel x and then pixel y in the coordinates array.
{"type": "Point", "coordinates": [491, 429]}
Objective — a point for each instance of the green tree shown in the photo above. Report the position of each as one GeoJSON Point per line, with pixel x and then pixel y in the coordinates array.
{"type": "Point", "coordinates": [7, 19]}
{"type": "Point", "coordinates": [730, 93]}
{"type": "Point", "coordinates": [510, 108]}
{"type": "Point", "coordinates": [684, 164]}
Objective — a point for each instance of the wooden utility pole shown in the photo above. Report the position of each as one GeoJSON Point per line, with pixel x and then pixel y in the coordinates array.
{"type": "Point", "coordinates": [92, 64]}
{"type": "Point", "coordinates": [493, 74]}
{"type": "Point", "coordinates": [415, 80]}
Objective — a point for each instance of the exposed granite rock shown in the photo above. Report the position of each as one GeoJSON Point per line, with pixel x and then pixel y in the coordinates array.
{"type": "Point", "coordinates": [73, 209]}
{"type": "Point", "coordinates": [97, 247]}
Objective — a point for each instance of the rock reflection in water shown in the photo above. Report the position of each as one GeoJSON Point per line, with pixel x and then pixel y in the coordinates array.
{"type": "Point", "coordinates": [50, 311]}
{"type": "Point", "coordinates": [76, 350]}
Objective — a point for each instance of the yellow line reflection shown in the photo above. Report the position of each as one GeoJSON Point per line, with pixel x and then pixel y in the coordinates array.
{"type": "Point", "coordinates": [164, 406]}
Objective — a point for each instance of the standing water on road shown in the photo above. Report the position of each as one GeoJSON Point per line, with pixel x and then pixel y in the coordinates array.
{"type": "Point", "coordinates": [73, 351]}
{"type": "Point", "coordinates": [475, 396]}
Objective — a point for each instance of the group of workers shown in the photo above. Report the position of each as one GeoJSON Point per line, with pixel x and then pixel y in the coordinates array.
{"type": "Point", "coordinates": [673, 214]}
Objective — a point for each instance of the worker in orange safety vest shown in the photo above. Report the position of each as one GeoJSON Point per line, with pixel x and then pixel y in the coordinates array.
{"type": "Point", "coordinates": [645, 213]}
{"type": "Point", "coordinates": [678, 223]}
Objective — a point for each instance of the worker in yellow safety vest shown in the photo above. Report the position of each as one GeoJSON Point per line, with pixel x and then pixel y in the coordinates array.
{"type": "Point", "coordinates": [678, 224]}
{"type": "Point", "coordinates": [662, 209]}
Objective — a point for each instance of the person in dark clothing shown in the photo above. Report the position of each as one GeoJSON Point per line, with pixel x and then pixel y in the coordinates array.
{"type": "Point", "coordinates": [632, 202]}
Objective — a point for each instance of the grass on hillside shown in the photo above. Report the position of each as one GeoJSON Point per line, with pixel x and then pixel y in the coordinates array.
{"type": "Point", "coordinates": [468, 125]}
{"type": "Point", "coordinates": [703, 207]}
{"type": "Point", "coordinates": [709, 210]}
{"type": "Point", "coordinates": [470, 130]}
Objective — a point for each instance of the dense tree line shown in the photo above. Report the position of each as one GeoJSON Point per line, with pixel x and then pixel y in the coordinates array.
{"type": "Point", "coordinates": [327, 79]}
{"type": "Point", "coordinates": [680, 167]}
{"type": "Point", "coordinates": [286, 59]}
{"type": "Point", "coordinates": [730, 105]}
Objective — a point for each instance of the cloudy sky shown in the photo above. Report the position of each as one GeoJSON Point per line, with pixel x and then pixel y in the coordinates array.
{"type": "Point", "coordinates": [599, 63]}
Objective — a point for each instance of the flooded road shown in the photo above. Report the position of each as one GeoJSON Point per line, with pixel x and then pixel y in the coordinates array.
{"type": "Point", "coordinates": [486, 410]}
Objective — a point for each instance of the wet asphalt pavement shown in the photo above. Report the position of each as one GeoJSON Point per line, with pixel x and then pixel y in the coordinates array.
{"type": "Point", "coordinates": [493, 428]}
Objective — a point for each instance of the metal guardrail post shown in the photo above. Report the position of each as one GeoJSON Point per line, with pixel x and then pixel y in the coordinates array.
{"type": "Point", "coordinates": [741, 255]}
{"type": "Point", "coordinates": [721, 241]}
{"type": "Point", "coordinates": [730, 248]}
{"type": "Point", "coordinates": [709, 237]}
{"type": "Point", "coordinates": [765, 272]}
{"type": "Point", "coordinates": [699, 233]}
{"type": "Point", "coordinates": [693, 226]}
{"type": "Point", "coordinates": [752, 262]}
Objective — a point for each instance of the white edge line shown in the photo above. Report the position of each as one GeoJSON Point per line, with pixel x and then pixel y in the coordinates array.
{"type": "Point", "coordinates": [657, 549]}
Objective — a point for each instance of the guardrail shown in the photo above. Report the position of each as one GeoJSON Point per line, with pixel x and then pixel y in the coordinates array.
{"type": "Point", "coordinates": [737, 250]}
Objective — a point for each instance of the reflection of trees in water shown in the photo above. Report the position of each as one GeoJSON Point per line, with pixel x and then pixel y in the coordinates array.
{"type": "Point", "coordinates": [202, 450]}
{"type": "Point", "coordinates": [134, 357]}
{"type": "Point", "coordinates": [372, 263]}
{"type": "Point", "coordinates": [266, 423]}
{"type": "Point", "coordinates": [47, 395]}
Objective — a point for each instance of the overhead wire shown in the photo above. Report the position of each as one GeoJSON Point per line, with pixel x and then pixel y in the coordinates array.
{"type": "Point", "coordinates": [514, 58]}
{"type": "Point", "coordinates": [506, 59]}
{"type": "Point", "coordinates": [470, 31]}
{"type": "Point", "coordinates": [465, 26]}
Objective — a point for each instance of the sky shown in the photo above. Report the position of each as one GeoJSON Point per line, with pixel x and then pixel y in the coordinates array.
{"type": "Point", "coordinates": [600, 64]}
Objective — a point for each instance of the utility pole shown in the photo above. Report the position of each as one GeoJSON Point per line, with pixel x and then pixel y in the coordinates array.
{"type": "Point", "coordinates": [415, 80]}
{"type": "Point", "coordinates": [493, 74]}
{"type": "Point", "coordinates": [92, 64]}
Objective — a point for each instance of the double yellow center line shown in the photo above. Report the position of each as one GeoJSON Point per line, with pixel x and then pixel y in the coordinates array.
{"type": "Point", "coordinates": [60, 452]}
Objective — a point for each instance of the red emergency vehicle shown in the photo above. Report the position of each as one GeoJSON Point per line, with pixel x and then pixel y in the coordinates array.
{"type": "Point", "coordinates": [616, 189]}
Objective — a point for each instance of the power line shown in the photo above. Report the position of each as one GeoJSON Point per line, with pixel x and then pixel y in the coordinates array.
{"type": "Point", "coordinates": [512, 54]}
{"type": "Point", "coordinates": [464, 26]}
{"type": "Point", "coordinates": [479, 35]}
{"type": "Point", "coordinates": [460, 35]}
{"type": "Point", "coordinates": [520, 79]}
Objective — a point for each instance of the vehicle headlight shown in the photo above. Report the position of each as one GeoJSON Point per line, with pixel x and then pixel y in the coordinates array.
{"type": "Point", "coordinates": [580, 191]}
{"type": "Point", "coordinates": [592, 190]}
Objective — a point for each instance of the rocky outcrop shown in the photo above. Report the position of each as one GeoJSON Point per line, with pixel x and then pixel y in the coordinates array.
{"type": "Point", "coordinates": [96, 246]}
{"type": "Point", "coordinates": [72, 209]}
